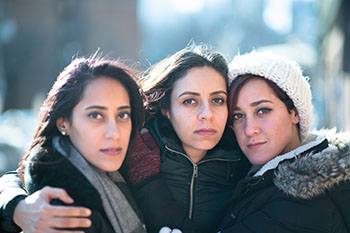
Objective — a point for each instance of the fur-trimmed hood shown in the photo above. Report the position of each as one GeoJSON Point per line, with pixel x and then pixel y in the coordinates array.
{"type": "Point", "coordinates": [312, 174]}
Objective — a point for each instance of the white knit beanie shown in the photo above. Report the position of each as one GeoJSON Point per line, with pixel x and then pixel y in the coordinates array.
{"type": "Point", "coordinates": [286, 74]}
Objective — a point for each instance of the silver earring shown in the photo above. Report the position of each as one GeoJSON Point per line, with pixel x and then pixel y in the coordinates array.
{"type": "Point", "coordinates": [63, 133]}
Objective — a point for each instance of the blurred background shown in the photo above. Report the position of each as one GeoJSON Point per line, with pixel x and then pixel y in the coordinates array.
{"type": "Point", "coordinates": [39, 37]}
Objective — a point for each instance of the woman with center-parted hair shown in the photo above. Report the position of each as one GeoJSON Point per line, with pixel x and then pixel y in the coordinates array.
{"type": "Point", "coordinates": [200, 161]}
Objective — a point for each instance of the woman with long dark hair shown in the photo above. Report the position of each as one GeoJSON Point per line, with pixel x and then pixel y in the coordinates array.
{"type": "Point", "coordinates": [86, 122]}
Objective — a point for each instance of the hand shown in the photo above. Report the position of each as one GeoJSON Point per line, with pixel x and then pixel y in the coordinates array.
{"type": "Point", "coordinates": [168, 230]}
{"type": "Point", "coordinates": [144, 157]}
{"type": "Point", "coordinates": [35, 214]}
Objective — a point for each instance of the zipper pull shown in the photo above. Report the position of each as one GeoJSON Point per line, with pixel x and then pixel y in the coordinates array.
{"type": "Point", "coordinates": [195, 170]}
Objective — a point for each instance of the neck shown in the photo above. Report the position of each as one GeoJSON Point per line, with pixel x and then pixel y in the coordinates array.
{"type": "Point", "coordinates": [195, 155]}
{"type": "Point", "coordinates": [292, 145]}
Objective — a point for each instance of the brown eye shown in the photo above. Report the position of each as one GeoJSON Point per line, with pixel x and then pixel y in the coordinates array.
{"type": "Point", "coordinates": [189, 101]}
{"type": "Point", "coordinates": [218, 100]}
{"type": "Point", "coordinates": [124, 115]}
{"type": "Point", "coordinates": [237, 116]}
{"type": "Point", "coordinates": [262, 111]}
{"type": "Point", "coordinates": [95, 115]}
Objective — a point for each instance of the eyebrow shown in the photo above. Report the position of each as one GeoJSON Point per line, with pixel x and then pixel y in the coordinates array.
{"type": "Point", "coordinates": [260, 102]}
{"type": "Point", "coordinates": [104, 108]}
{"type": "Point", "coordinates": [197, 94]}
{"type": "Point", "coordinates": [256, 103]}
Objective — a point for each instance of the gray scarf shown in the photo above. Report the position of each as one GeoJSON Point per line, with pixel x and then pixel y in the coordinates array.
{"type": "Point", "coordinates": [118, 209]}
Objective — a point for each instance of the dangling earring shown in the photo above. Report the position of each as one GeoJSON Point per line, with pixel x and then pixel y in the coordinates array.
{"type": "Point", "coordinates": [63, 133]}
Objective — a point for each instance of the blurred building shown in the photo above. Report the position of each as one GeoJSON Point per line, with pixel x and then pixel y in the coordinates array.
{"type": "Point", "coordinates": [46, 34]}
{"type": "Point", "coordinates": [334, 66]}
{"type": "Point", "coordinates": [37, 39]}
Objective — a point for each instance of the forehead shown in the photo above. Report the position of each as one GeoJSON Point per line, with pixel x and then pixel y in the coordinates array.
{"type": "Point", "coordinates": [105, 88]}
{"type": "Point", "coordinates": [200, 78]}
{"type": "Point", "coordinates": [260, 83]}
{"type": "Point", "coordinates": [255, 89]}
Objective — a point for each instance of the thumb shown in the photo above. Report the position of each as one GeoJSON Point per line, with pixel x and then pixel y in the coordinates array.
{"type": "Point", "coordinates": [49, 193]}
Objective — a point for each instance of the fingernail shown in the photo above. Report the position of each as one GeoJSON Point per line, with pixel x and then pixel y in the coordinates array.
{"type": "Point", "coordinates": [88, 212]}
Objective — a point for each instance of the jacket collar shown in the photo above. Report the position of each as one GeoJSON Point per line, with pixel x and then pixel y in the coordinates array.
{"type": "Point", "coordinates": [311, 175]}
{"type": "Point", "coordinates": [313, 144]}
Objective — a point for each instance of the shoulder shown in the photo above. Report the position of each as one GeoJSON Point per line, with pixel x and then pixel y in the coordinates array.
{"type": "Point", "coordinates": [50, 168]}
{"type": "Point", "coordinates": [313, 174]}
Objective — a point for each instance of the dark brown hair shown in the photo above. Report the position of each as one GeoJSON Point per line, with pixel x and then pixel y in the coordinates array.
{"type": "Point", "coordinates": [158, 81]}
{"type": "Point", "coordinates": [68, 90]}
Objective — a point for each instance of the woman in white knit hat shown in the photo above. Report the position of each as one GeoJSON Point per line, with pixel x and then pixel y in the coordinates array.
{"type": "Point", "coordinates": [300, 181]}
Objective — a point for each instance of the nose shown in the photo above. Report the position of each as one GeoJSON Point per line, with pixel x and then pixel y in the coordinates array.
{"type": "Point", "coordinates": [251, 126]}
{"type": "Point", "coordinates": [112, 131]}
{"type": "Point", "coordinates": [205, 112]}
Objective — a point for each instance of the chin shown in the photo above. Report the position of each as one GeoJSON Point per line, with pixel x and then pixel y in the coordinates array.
{"type": "Point", "coordinates": [256, 162]}
{"type": "Point", "coordinates": [110, 168]}
{"type": "Point", "coordinates": [207, 146]}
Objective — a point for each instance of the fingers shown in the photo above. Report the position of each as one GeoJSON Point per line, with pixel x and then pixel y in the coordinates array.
{"type": "Point", "coordinates": [65, 223]}
{"type": "Point", "coordinates": [67, 211]}
{"type": "Point", "coordinates": [165, 230]}
{"type": "Point", "coordinates": [168, 230]}
{"type": "Point", "coordinates": [51, 230]}
{"type": "Point", "coordinates": [49, 193]}
{"type": "Point", "coordinates": [43, 223]}
{"type": "Point", "coordinates": [36, 214]}
{"type": "Point", "coordinates": [176, 231]}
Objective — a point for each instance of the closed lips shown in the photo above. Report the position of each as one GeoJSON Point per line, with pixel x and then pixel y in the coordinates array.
{"type": "Point", "coordinates": [111, 150]}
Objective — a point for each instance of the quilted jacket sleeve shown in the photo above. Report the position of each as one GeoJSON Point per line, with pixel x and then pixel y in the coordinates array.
{"type": "Point", "coordinates": [11, 193]}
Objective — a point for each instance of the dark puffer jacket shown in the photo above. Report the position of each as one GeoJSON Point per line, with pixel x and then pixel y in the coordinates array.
{"type": "Point", "coordinates": [200, 189]}
{"type": "Point", "coordinates": [306, 190]}
{"type": "Point", "coordinates": [50, 168]}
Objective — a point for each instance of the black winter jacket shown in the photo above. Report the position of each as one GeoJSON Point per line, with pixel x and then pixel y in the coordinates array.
{"type": "Point", "coordinates": [50, 168]}
{"type": "Point", "coordinates": [199, 190]}
{"type": "Point", "coordinates": [11, 193]}
{"type": "Point", "coordinates": [306, 193]}
{"type": "Point", "coordinates": [57, 174]}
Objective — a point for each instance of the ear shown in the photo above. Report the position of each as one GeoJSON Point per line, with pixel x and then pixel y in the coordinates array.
{"type": "Point", "coordinates": [295, 116]}
{"type": "Point", "coordinates": [62, 125]}
{"type": "Point", "coordinates": [165, 113]}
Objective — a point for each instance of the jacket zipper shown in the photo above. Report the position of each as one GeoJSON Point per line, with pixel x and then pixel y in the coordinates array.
{"type": "Point", "coordinates": [195, 174]}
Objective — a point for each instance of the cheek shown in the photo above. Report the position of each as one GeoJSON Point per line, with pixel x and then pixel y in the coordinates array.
{"type": "Point", "coordinates": [240, 135]}
{"type": "Point", "coordinates": [182, 126]}
{"type": "Point", "coordinates": [85, 141]}
{"type": "Point", "coordinates": [127, 132]}
{"type": "Point", "coordinates": [179, 125]}
{"type": "Point", "coordinates": [221, 112]}
{"type": "Point", "coordinates": [85, 135]}
{"type": "Point", "coordinates": [180, 118]}
{"type": "Point", "coordinates": [221, 120]}
{"type": "Point", "coordinates": [278, 126]}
